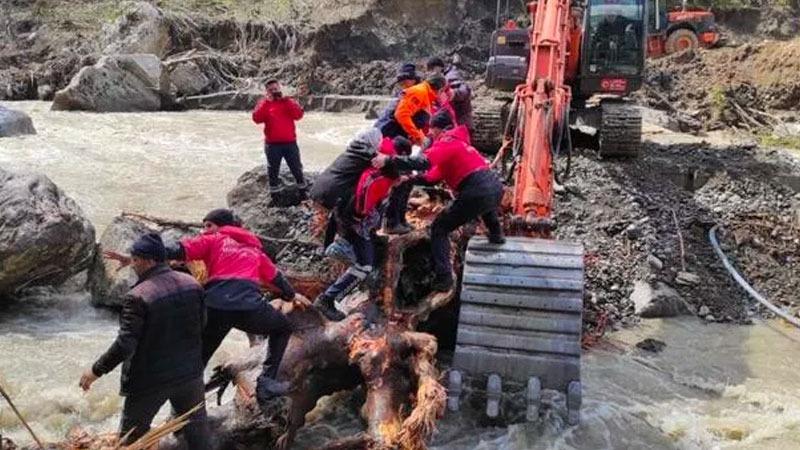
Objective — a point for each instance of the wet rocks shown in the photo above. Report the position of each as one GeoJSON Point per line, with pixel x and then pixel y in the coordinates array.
{"type": "Point", "coordinates": [284, 221]}
{"type": "Point", "coordinates": [142, 29]}
{"type": "Point", "coordinates": [687, 278]}
{"type": "Point", "coordinates": [44, 236]}
{"type": "Point", "coordinates": [15, 123]}
{"type": "Point", "coordinates": [651, 345]}
{"type": "Point", "coordinates": [658, 300]}
{"type": "Point", "coordinates": [119, 83]}
{"type": "Point", "coordinates": [654, 262]}
{"type": "Point", "coordinates": [108, 284]}
{"type": "Point", "coordinates": [276, 215]}
{"type": "Point", "coordinates": [188, 78]}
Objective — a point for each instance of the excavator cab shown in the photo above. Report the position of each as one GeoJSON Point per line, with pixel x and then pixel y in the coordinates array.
{"type": "Point", "coordinates": [612, 64]}
{"type": "Point", "coordinates": [508, 57]}
{"type": "Point", "coordinates": [614, 47]}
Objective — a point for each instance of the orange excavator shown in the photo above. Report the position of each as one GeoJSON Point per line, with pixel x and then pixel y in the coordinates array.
{"type": "Point", "coordinates": [522, 302]}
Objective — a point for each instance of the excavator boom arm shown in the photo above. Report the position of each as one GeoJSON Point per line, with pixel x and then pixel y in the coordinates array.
{"type": "Point", "coordinates": [543, 99]}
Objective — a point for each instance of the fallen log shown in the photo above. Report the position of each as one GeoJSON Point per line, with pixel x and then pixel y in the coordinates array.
{"type": "Point", "coordinates": [375, 346]}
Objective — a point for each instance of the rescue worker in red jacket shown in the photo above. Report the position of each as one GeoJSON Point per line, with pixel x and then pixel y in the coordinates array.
{"type": "Point", "coordinates": [279, 114]}
{"type": "Point", "coordinates": [477, 189]}
{"type": "Point", "coordinates": [237, 268]}
{"type": "Point", "coordinates": [357, 220]}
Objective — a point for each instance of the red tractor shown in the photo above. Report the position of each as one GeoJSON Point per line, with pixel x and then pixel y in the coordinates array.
{"type": "Point", "coordinates": [678, 30]}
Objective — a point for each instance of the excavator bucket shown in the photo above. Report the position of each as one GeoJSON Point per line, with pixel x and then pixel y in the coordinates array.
{"type": "Point", "coordinates": [521, 308]}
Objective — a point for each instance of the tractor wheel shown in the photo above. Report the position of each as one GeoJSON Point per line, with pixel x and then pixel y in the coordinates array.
{"type": "Point", "coordinates": [681, 39]}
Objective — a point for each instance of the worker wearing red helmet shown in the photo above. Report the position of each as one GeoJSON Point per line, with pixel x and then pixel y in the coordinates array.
{"type": "Point", "coordinates": [477, 189]}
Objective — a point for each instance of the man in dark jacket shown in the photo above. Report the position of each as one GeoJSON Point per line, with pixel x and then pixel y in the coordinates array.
{"type": "Point", "coordinates": [461, 98]}
{"type": "Point", "coordinates": [477, 190]}
{"type": "Point", "coordinates": [279, 114]}
{"type": "Point", "coordinates": [159, 345]}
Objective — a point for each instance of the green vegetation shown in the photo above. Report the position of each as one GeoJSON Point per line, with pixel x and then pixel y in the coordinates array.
{"type": "Point", "coordinates": [768, 139]}
{"type": "Point", "coordinates": [278, 10]}
{"type": "Point", "coordinates": [89, 16]}
{"type": "Point", "coordinates": [718, 101]}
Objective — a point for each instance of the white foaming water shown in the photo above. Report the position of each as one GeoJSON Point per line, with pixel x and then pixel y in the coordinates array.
{"type": "Point", "coordinates": [176, 165]}
{"type": "Point", "coordinates": [714, 386]}
{"type": "Point", "coordinates": [172, 164]}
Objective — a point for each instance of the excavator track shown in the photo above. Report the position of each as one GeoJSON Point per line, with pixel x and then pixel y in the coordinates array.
{"type": "Point", "coordinates": [620, 133]}
{"type": "Point", "coordinates": [488, 117]}
{"type": "Point", "coordinates": [521, 311]}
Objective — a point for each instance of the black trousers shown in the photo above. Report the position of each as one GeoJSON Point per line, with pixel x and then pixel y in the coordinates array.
{"type": "Point", "coordinates": [265, 321]}
{"type": "Point", "coordinates": [139, 410]}
{"type": "Point", "coordinates": [478, 195]}
{"type": "Point", "coordinates": [278, 152]}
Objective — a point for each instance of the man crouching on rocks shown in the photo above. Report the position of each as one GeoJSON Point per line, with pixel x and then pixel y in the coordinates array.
{"type": "Point", "coordinates": [159, 345]}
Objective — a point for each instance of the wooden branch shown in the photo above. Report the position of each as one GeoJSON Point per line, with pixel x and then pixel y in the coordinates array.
{"type": "Point", "coordinates": [163, 222]}
{"type": "Point", "coordinates": [680, 239]}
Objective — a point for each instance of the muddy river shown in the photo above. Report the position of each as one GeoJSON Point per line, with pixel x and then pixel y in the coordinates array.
{"type": "Point", "coordinates": [713, 386]}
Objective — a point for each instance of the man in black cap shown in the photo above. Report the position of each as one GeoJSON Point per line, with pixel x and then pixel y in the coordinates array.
{"type": "Point", "coordinates": [159, 345]}
{"type": "Point", "coordinates": [407, 76]}
{"type": "Point", "coordinates": [435, 66]}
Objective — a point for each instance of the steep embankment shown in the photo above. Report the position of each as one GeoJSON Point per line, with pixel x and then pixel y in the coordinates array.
{"type": "Point", "coordinates": [329, 46]}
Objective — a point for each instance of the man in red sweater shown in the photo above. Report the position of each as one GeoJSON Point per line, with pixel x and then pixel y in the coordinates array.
{"type": "Point", "coordinates": [278, 114]}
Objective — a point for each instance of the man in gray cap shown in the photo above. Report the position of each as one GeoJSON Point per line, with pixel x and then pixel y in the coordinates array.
{"type": "Point", "coordinates": [159, 346]}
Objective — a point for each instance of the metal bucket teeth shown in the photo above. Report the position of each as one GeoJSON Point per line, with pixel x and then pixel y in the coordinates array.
{"type": "Point", "coordinates": [521, 305]}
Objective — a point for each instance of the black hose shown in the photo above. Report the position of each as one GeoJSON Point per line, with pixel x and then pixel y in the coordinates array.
{"type": "Point", "coordinates": [712, 237]}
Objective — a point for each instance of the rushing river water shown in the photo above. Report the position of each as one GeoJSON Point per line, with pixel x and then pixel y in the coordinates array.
{"type": "Point", "coordinates": [714, 386]}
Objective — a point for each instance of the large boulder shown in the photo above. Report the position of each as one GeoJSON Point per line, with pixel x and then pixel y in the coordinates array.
{"type": "Point", "coordinates": [282, 216]}
{"type": "Point", "coordinates": [44, 236]}
{"type": "Point", "coordinates": [143, 28]}
{"type": "Point", "coordinates": [188, 78]}
{"type": "Point", "coordinates": [15, 123]}
{"type": "Point", "coordinates": [658, 300]}
{"type": "Point", "coordinates": [107, 282]}
{"type": "Point", "coordinates": [119, 83]}
{"type": "Point", "coordinates": [284, 222]}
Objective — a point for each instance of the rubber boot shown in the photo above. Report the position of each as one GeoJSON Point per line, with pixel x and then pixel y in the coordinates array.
{"type": "Point", "coordinates": [326, 306]}
{"type": "Point", "coordinates": [268, 388]}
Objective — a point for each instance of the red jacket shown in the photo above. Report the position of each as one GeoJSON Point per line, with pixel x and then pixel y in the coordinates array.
{"type": "Point", "coordinates": [232, 253]}
{"type": "Point", "coordinates": [454, 158]}
{"type": "Point", "coordinates": [278, 117]}
{"type": "Point", "coordinates": [373, 187]}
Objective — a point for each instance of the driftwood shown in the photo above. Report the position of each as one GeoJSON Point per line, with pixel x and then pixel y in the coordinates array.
{"type": "Point", "coordinates": [375, 346]}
